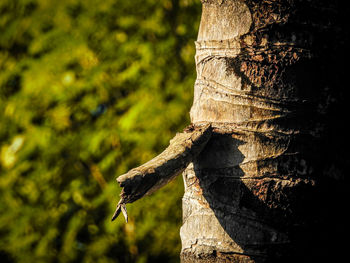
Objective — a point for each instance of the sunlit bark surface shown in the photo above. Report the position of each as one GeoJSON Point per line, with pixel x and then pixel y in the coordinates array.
{"type": "Point", "coordinates": [151, 176]}
{"type": "Point", "coordinates": [263, 188]}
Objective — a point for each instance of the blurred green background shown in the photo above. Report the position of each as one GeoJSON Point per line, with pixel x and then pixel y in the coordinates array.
{"type": "Point", "coordinates": [88, 90]}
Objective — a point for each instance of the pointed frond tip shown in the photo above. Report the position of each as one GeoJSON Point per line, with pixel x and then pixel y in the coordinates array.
{"type": "Point", "coordinates": [156, 173]}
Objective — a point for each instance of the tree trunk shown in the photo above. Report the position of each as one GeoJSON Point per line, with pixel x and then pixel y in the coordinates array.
{"type": "Point", "coordinates": [267, 186]}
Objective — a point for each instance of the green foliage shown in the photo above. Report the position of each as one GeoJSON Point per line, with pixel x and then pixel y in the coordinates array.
{"type": "Point", "coordinates": [88, 90]}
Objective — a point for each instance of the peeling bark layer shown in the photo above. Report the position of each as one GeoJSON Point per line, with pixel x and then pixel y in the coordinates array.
{"type": "Point", "coordinates": [257, 192]}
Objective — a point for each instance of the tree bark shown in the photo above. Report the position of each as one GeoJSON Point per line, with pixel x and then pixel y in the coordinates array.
{"type": "Point", "coordinates": [267, 186]}
{"type": "Point", "coordinates": [265, 157]}
{"type": "Point", "coordinates": [156, 173]}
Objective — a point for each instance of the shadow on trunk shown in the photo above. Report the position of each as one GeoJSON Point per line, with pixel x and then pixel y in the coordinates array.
{"type": "Point", "coordinates": [269, 218]}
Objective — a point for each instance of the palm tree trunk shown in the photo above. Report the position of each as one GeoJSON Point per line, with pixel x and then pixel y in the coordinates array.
{"type": "Point", "coordinates": [257, 191]}
{"type": "Point", "coordinates": [265, 153]}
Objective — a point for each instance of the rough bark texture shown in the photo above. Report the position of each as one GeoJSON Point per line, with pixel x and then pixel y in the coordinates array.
{"type": "Point", "coordinates": [268, 185]}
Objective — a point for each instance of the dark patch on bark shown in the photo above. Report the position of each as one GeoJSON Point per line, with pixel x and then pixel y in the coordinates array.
{"type": "Point", "coordinates": [296, 51]}
{"type": "Point", "coordinates": [218, 258]}
{"type": "Point", "coordinates": [297, 205]}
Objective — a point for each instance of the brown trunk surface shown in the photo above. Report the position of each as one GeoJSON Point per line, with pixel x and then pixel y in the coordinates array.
{"type": "Point", "coordinates": [268, 185]}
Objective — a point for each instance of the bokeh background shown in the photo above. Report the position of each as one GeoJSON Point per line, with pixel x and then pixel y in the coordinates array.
{"type": "Point", "coordinates": [88, 90]}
